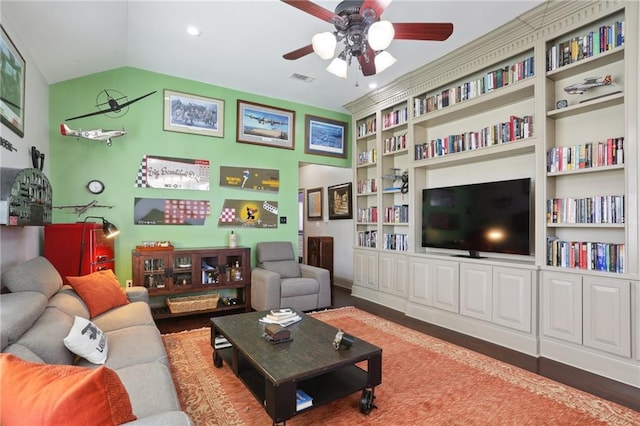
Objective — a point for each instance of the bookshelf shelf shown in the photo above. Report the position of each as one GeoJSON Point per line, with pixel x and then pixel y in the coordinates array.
{"type": "Point", "coordinates": [586, 65]}
{"type": "Point", "coordinates": [588, 106]}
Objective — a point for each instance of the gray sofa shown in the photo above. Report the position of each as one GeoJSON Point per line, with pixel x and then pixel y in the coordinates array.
{"type": "Point", "coordinates": [38, 312]}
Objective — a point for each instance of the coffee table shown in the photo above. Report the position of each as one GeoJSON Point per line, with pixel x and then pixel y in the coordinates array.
{"type": "Point", "coordinates": [274, 372]}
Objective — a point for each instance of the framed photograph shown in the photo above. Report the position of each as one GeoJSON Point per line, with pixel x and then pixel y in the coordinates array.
{"type": "Point", "coordinates": [325, 137]}
{"type": "Point", "coordinates": [198, 115]}
{"type": "Point", "coordinates": [314, 204]}
{"type": "Point", "coordinates": [340, 203]}
{"type": "Point", "coordinates": [264, 125]}
{"type": "Point", "coordinates": [12, 88]}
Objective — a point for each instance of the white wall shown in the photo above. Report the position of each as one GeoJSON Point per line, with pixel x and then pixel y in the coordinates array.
{"type": "Point", "coordinates": [18, 244]}
{"type": "Point", "coordinates": [315, 176]}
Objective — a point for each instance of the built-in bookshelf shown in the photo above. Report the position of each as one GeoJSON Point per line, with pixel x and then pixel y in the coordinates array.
{"type": "Point", "coordinates": [505, 107]}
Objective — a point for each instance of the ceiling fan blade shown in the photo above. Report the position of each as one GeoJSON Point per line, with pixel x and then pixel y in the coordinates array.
{"type": "Point", "coordinates": [423, 31]}
{"type": "Point", "coordinates": [315, 10]}
{"type": "Point", "coordinates": [368, 67]}
{"type": "Point", "coordinates": [378, 6]}
{"type": "Point", "coordinates": [298, 53]}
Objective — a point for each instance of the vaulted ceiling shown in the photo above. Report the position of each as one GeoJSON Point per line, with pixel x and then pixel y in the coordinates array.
{"type": "Point", "coordinates": [241, 46]}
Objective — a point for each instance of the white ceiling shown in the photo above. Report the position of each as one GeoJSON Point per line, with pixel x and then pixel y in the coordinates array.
{"type": "Point", "coordinates": [242, 43]}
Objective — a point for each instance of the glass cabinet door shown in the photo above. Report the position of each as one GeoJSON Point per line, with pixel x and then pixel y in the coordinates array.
{"type": "Point", "coordinates": [182, 271]}
{"type": "Point", "coordinates": [154, 272]}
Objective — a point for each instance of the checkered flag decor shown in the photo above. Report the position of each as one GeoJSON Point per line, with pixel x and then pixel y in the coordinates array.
{"type": "Point", "coordinates": [176, 212]}
{"type": "Point", "coordinates": [141, 177]}
{"type": "Point", "coordinates": [228, 215]}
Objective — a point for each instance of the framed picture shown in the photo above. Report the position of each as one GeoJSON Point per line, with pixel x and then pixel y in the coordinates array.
{"type": "Point", "coordinates": [264, 125]}
{"type": "Point", "coordinates": [12, 88]}
{"type": "Point", "coordinates": [314, 204]}
{"type": "Point", "coordinates": [198, 115]}
{"type": "Point", "coordinates": [340, 204]}
{"type": "Point", "coordinates": [325, 137]}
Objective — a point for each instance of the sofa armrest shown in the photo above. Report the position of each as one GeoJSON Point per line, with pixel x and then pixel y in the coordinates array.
{"type": "Point", "coordinates": [323, 278]}
{"type": "Point", "coordinates": [137, 294]}
{"type": "Point", "coordinates": [265, 289]}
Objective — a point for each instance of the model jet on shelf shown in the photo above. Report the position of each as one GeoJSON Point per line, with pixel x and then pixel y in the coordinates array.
{"type": "Point", "coordinates": [589, 83]}
{"type": "Point", "coordinates": [79, 209]}
{"type": "Point", "coordinates": [94, 134]}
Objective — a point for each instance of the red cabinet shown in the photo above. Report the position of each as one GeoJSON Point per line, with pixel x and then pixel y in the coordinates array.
{"type": "Point", "coordinates": [62, 245]}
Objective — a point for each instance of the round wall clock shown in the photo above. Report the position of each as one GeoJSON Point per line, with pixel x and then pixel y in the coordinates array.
{"type": "Point", "coordinates": [95, 186]}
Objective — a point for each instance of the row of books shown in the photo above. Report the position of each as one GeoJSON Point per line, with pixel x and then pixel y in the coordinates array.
{"type": "Point", "coordinates": [369, 214]}
{"type": "Point", "coordinates": [398, 213]}
{"type": "Point", "coordinates": [395, 143]}
{"type": "Point", "coordinates": [397, 242]}
{"type": "Point", "coordinates": [605, 38]}
{"type": "Point", "coordinates": [492, 80]}
{"type": "Point", "coordinates": [395, 117]}
{"type": "Point", "coordinates": [597, 209]}
{"type": "Point", "coordinates": [515, 129]}
{"type": "Point", "coordinates": [592, 256]}
{"type": "Point", "coordinates": [584, 156]}
{"type": "Point", "coordinates": [367, 157]}
{"type": "Point", "coordinates": [367, 239]}
{"type": "Point", "coordinates": [367, 127]}
{"type": "Point", "coordinates": [366, 186]}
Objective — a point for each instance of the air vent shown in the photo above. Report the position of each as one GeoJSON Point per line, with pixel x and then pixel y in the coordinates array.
{"type": "Point", "coordinates": [302, 77]}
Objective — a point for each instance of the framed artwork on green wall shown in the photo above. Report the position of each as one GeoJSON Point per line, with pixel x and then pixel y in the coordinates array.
{"type": "Point", "coordinates": [198, 115]}
{"type": "Point", "coordinates": [324, 136]}
{"type": "Point", "coordinates": [264, 125]}
{"type": "Point", "coordinates": [12, 88]}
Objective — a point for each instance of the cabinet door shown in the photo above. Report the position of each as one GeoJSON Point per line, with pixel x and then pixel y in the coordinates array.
{"type": "Point", "coordinates": [562, 306]}
{"type": "Point", "coordinates": [386, 273]}
{"type": "Point", "coordinates": [476, 291]}
{"type": "Point", "coordinates": [420, 290]}
{"type": "Point", "coordinates": [512, 298]}
{"type": "Point", "coordinates": [607, 314]}
{"type": "Point", "coordinates": [445, 285]}
{"type": "Point", "coordinates": [365, 272]}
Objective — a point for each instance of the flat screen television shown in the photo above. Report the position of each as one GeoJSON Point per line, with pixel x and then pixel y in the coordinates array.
{"type": "Point", "coordinates": [480, 217]}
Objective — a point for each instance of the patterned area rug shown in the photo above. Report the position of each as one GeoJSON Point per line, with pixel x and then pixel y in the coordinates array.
{"type": "Point", "coordinates": [424, 381]}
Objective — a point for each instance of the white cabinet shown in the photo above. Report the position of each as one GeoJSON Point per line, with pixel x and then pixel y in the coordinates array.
{"type": "Point", "coordinates": [420, 275]}
{"type": "Point", "coordinates": [513, 298]}
{"type": "Point", "coordinates": [365, 272]}
{"type": "Point", "coordinates": [446, 291]}
{"type": "Point", "coordinates": [562, 306]}
{"type": "Point", "coordinates": [607, 314]}
{"type": "Point", "coordinates": [394, 273]}
{"type": "Point", "coordinates": [476, 291]}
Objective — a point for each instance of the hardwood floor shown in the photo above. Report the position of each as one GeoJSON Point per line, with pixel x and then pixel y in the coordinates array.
{"type": "Point", "coordinates": [602, 387]}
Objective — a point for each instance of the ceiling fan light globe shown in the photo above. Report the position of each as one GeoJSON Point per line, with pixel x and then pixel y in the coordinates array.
{"type": "Point", "coordinates": [324, 44]}
{"type": "Point", "coordinates": [383, 61]}
{"type": "Point", "coordinates": [380, 35]}
{"type": "Point", "coordinates": [338, 67]}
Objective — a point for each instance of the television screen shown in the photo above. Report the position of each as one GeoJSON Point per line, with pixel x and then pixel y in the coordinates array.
{"type": "Point", "coordinates": [487, 217]}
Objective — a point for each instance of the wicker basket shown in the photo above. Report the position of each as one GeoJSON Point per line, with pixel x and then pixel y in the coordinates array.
{"type": "Point", "coordinates": [193, 303]}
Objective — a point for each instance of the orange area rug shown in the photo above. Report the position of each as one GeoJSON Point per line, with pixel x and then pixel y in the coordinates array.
{"type": "Point", "coordinates": [425, 381]}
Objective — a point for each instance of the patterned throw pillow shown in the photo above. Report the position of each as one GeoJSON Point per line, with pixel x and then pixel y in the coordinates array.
{"type": "Point", "coordinates": [85, 339]}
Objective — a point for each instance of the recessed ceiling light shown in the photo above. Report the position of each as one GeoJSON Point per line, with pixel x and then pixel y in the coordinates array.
{"type": "Point", "coordinates": [373, 85]}
{"type": "Point", "coordinates": [194, 31]}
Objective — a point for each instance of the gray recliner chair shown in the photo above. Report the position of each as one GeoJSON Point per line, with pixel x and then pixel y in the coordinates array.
{"type": "Point", "coordinates": [279, 281]}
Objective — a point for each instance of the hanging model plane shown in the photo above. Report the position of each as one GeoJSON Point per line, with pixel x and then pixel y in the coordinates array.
{"type": "Point", "coordinates": [79, 209]}
{"type": "Point", "coordinates": [111, 105]}
{"type": "Point", "coordinates": [589, 83]}
{"type": "Point", "coordinates": [94, 134]}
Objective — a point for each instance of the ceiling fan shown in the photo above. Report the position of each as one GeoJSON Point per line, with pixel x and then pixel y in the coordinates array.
{"type": "Point", "coordinates": [364, 36]}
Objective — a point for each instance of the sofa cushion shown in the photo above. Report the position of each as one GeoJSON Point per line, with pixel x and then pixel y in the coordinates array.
{"type": "Point", "coordinates": [69, 302]}
{"type": "Point", "coordinates": [22, 352]}
{"type": "Point", "coordinates": [274, 251]}
{"type": "Point", "coordinates": [45, 337]}
{"type": "Point", "coordinates": [285, 268]}
{"type": "Point", "coordinates": [299, 287]}
{"type": "Point", "coordinates": [136, 313]}
{"type": "Point", "coordinates": [36, 274]}
{"type": "Point", "coordinates": [86, 340]}
{"type": "Point", "coordinates": [55, 394]}
{"type": "Point", "coordinates": [100, 291]}
{"type": "Point", "coordinates": [150, 387]}
{"type": "Point", "coordinates": [18, 312]}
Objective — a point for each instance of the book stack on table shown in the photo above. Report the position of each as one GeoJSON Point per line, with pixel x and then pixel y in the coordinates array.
{"type": "Point", "coordinates": [283, 317]}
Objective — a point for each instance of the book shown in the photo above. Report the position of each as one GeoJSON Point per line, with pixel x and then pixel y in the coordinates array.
{"type": "Point", "coordinates": [221, 342]}
{"type": "Point", "coordinates": [281, 314]}
{"type": "Point", "coordinates": [303, 400]}
{"type": "Point", "coordinates": [283, 322]}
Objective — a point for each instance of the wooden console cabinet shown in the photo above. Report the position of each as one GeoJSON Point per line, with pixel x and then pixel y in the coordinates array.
{"type": "Point", "coordinates": [320, 253]}
{"type": "Point", "coordinates": [177, 272]}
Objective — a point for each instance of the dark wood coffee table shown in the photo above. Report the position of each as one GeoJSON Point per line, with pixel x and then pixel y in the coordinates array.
{"type": "Point", "coordinates": [274, 372]}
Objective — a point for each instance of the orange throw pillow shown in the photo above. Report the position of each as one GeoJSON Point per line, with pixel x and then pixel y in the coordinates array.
{"type": "Point", "coordinates": [45, 394]}
{"type": "Point", "coordinates": [100, 291]}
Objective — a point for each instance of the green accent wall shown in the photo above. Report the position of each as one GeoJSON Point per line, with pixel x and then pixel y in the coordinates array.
{"type": "Point", "coordinates": [74, 162]}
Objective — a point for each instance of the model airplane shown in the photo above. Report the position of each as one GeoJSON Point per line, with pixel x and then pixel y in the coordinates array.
{"type": "Point", "coordinates": [589, 83]}
{"type": "Point", "coordinates": [94, 134]}
{"type": "Point", "coordinates": [263, 120]}
{"type": "Point", "coordinates": [111, 105]}
{"type": "Point", "coordinates": [80, 209]}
